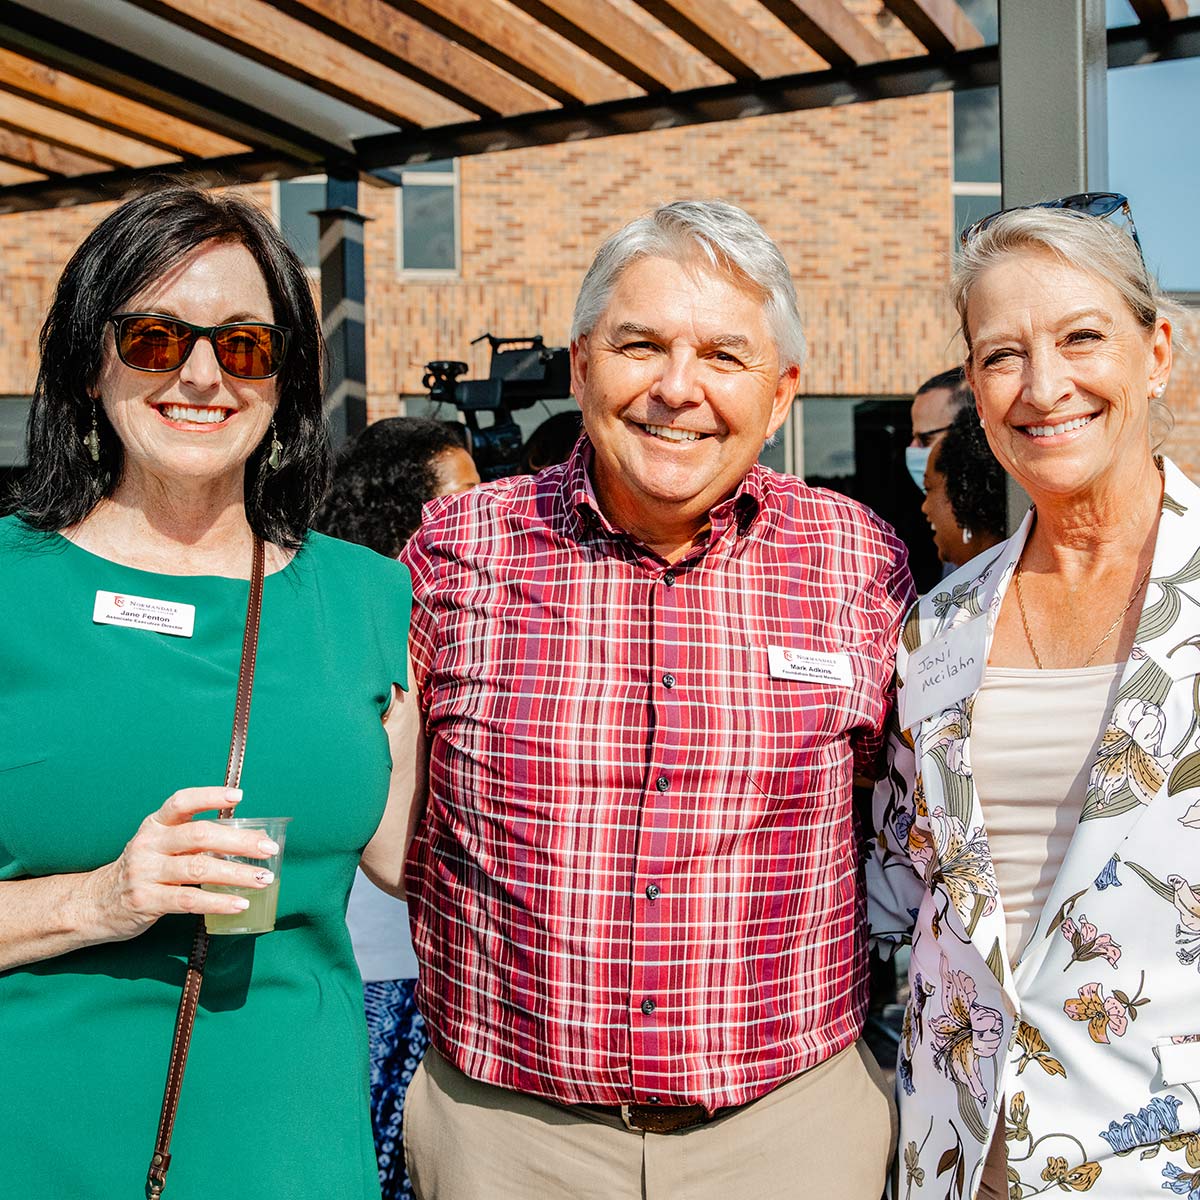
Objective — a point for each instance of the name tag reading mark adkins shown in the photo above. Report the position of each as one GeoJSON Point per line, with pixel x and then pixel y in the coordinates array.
{"type": "Point", "coordinates": [813, 666]}
{"type": "Point", "coordinates": [140, 612]}
{"type": "Point", "coordinates": [943, 672]}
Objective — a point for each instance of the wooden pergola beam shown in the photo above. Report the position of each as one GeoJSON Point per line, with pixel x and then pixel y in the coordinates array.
{"type": "Point", "coordinates": [517, 44]}
{"type": "Point", "coordinates": [11, 175]}
{"type": "Point", "coordinates": [940, 26]}
{"type": "Point", "coordinates": [602, 30]}
{"type": "Point", "coordinates": [274, 40]}
{"type": "Point", "coordinates": [148, 82]}
{"type": "Point", "coordinates": [1150, 11]}
{"type": "Point", "coordinates": [715, 29]}
{"type": "Point", "coordinates": [20, 149]}
{"type": "Point", "coordinates": [402, 44]}
{"type": "Point", "coordinates": [36, 81]}
{"type": "Point", "coordinates": [77, 135]}
{"type": "Point", "coordinates": [109, 186]}
{"type": "Point", "coordinates": [830, 29]}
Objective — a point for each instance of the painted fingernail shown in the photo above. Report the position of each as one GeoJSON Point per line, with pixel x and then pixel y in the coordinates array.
{"type": "Point", "coordinates": [266, 846]}
{"type": "Point", "coordinates": [233, 796]}
{"type": "Point", "coordinates": [264, 877]}
{"type": "Point", "coordinates": [240, 903]}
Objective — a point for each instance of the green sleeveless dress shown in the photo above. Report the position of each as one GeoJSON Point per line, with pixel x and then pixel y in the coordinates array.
{"type": "Point", "coordinates": [99, 723]}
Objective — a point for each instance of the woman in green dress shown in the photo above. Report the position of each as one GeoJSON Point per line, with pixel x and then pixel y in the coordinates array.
{"type": "Point", "coordinates": [177, 416]}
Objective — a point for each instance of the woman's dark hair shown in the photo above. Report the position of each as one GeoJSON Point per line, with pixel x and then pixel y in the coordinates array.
{"type": "Point", "coordinates": [551, 442]}
{"type": "Point", "coordinates": [383, 478]}
{"type": "Point", "coordinates": [132, 247]}
{"type": "Point", "coordinates": [975, 481]}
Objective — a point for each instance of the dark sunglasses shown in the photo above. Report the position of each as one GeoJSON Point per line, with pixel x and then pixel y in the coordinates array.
{"type": "Point", "coordinates": [244, 349]}
{"type": "Point", "coordinates": [1085, 204]}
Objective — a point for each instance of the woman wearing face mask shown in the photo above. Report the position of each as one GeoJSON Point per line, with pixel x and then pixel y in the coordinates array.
{"type": "Point", "coordinates": [965, 501]}
{"type": "Point", "coordinates": [934, 406]}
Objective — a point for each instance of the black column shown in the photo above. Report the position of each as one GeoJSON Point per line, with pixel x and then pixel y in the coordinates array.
{"type": "Point", "coordinates": [343, 307]}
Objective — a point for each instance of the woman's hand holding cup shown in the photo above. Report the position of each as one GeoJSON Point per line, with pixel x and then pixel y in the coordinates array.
{"type": "Point", "coordinates": [170, 855]}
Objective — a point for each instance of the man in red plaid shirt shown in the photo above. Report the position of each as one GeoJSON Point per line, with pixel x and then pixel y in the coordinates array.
{"type": "Point", "coordinates": [649, 677]}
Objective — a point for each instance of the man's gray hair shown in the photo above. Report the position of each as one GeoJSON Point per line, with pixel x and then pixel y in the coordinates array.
{"type": "Point", "coordinates": [723, 237]}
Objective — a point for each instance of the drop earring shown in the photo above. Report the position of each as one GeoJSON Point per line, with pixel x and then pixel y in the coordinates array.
{"type": "Point", "coordinates": [91, 439]}
{"type": "Point", "coordinates": [967, 535]}
{"type": "Point", "coordinates": [275, 457]}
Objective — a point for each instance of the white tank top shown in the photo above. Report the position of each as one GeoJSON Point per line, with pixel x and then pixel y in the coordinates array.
{"type": "Point", "coordinates": [1034, 735]}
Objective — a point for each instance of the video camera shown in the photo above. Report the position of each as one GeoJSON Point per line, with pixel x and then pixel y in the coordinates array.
{"type": "Point", "coordinates": [523, 371]}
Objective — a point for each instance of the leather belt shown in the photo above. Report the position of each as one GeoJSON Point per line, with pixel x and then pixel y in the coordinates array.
{"type": "Point", "coordinates": [655, 1118]}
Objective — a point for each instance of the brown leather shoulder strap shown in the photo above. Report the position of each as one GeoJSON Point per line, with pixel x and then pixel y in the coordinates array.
{"type": "Point", "coordinates": [156, 1176]}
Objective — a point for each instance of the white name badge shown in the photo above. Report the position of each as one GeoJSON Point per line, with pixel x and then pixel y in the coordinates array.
{"type": "Point", "coordinates": [944, 671]}
{"type": "Point", "coordinates": [813, 666]}
{"type": "Point", "coordinates": [140, 612]}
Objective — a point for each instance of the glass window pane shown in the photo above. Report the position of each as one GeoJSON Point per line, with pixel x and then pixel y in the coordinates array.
{"type": "Point", "coordinates": [977, 136]}
{"type": "Point", "coordinates": [971, 208]}
{"type": "Point", "coordinates": [14, 412]}
{"type": "Point", "coordinates": [983, 14]}
{"type": "Point", "coordinates": [439, 165]}
{"type": "Point", "coordinates": [428, 233]}
{"type": "Point", "coordinates": [1150, 110]}
{"type": "Point", "coordinates": [298, 200]}
{"type": "Point", "coordinates": [1120, 13]}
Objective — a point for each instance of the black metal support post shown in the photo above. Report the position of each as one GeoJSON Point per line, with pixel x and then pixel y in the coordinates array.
{"type": "Point", "coordinates": [343, 306]}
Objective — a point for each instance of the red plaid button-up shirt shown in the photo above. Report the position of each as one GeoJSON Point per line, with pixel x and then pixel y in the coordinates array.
{"type": "Point", "coordinates": [637, 875]}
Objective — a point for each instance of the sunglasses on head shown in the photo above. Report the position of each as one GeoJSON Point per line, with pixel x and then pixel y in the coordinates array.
{"type": "Point", "coordinates": [243, 349]}
{"type": "Point", "coordinates": [1085, 204]}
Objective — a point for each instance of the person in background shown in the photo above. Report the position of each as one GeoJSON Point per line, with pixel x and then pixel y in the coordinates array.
{"type": "Point", "coordinates": [551, 442]}
{"type": "Point", "coordinates": [1038, 814]}
{"type": "Point", "coordinates": [965, 501]}
{"type": "Point", "coordinates": [649, 676]}
{"type": "Point", "coordinates": [382, 480]}
{"type": "Point", "coordinates": [934, 406]}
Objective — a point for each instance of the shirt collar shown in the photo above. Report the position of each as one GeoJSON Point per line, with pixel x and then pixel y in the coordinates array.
{"type": "Point", "coordinates": [583, 508]}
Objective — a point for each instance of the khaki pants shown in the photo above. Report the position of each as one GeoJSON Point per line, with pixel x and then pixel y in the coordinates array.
{"type": "Point", "coordinates": [828, 1134]}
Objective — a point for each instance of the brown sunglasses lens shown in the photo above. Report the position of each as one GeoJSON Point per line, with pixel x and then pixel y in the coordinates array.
{"type": "Point", "coordinates": [152, 344]}
{"type": "Point", "coordinates": [248, 351]}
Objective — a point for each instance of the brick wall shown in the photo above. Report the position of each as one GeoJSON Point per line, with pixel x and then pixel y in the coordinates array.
{"type": "Point", "coordinates": [858, 198]}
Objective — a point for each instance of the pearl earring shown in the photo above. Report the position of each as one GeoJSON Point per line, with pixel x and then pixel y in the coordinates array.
{"type": "Point", "coordinates": [967, 535]}
{"type": "Point", "coordinates": [1158, 391]}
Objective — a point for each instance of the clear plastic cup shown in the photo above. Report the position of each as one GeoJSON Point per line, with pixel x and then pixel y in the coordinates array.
{"type": "Point", "coordinates": [260, 916]}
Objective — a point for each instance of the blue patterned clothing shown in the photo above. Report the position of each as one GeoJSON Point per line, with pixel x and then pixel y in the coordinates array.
{"type": "Point", "coordinates": [398, 1042]}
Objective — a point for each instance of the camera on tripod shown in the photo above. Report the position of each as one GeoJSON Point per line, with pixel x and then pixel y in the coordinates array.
{"type": "Point", "coordinates": [523, 371]}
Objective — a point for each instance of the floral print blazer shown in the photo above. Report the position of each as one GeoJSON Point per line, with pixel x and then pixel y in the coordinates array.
{"type": "Point", "coordinates": [1087, 1053]}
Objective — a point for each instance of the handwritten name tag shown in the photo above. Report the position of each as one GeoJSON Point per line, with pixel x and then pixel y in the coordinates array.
{"type": "Point", "coordinates": [813, 666]}
{"type": "Point", "coordinates": [943, 672]}
{"type": "Point", "coordinates": [140, 612]}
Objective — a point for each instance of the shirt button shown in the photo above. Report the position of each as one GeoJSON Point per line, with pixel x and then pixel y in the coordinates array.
{"type": "Point", "coordinates": [653, 891]}
{"type": "Point", "coordinates": [662, 783]}
{"type": "Point", "coordinates": [653, 1100]}
{"type": "Point", "coordinates": [648, 1006]}
{"type": "Point", "coordinates": [669, 578]}
{"type": "Point", "coordinates": [668, 681]}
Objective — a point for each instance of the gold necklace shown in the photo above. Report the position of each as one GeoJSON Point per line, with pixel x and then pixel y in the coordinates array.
{"type": "Point", "coordinates": [1137, 591]}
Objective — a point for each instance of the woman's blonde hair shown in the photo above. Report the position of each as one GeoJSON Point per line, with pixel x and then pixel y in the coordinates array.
{"type": "Point", "coordinates": [1092, 244]}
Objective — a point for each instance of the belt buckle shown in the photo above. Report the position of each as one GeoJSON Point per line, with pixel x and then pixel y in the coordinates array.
{"type": "Point", "coordinates": [627, 1120]}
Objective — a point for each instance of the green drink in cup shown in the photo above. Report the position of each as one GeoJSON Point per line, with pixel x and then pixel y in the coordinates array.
{"type": "Point", "coordinates": [260, 916]}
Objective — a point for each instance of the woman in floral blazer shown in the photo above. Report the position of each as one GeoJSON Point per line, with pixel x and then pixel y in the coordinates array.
{"type": "Point", "coordinates": [1058, 1053]}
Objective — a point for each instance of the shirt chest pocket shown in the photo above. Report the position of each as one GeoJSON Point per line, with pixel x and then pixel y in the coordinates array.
{"type": "Point", "coordinates": [804, 702]}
